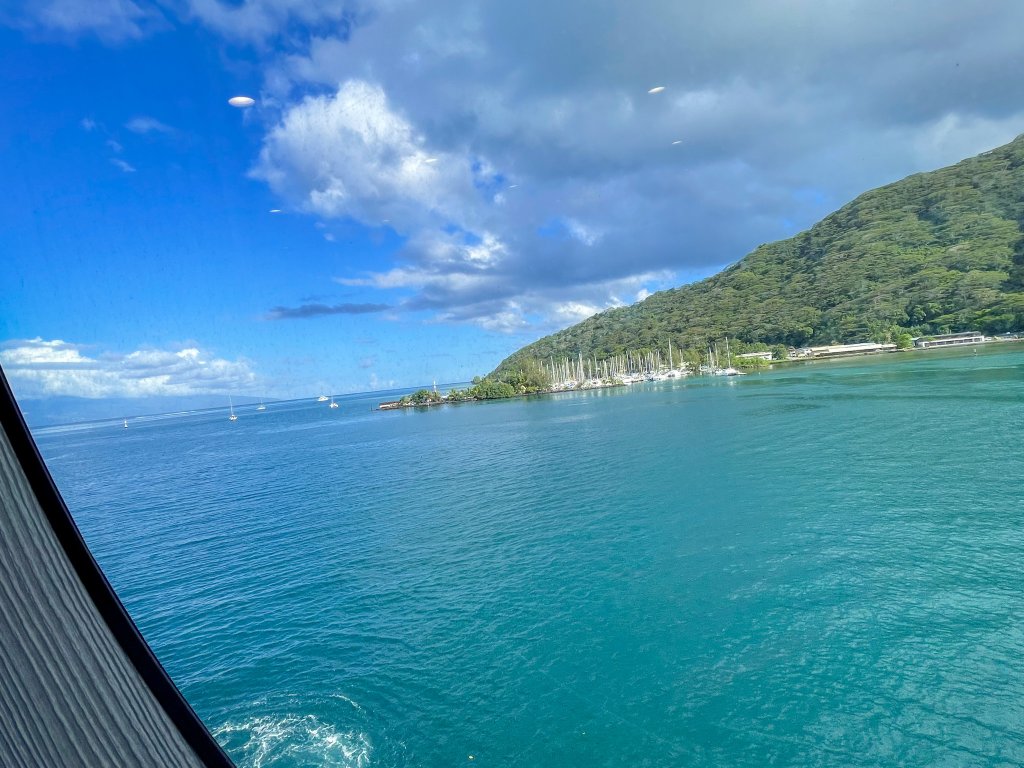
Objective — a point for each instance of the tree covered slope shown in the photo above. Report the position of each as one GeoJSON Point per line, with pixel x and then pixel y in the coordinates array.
{"type": "Point", "coordinates": [936, 252]}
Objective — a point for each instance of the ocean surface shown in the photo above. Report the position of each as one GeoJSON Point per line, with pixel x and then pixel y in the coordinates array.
{"type": "Point", "coordinates": [821, 565]}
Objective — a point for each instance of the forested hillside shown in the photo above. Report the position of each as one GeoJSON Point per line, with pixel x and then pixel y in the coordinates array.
{"type": "Point", "coordinates": [936, 252]}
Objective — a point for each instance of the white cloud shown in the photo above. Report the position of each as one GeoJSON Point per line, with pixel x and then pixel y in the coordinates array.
{"type": "Point", "coordinates": [112, 21]}
{"type": "Point", "coordinates": [508, 319]}
{"type": "Point", "coordinates": [955, 136]}
{"type": "Point", "coordinates": [350, 154]}
{"type": "Point", "coordinates": [781, 118]}
{"type": "Point", "coordinates": [416, 116]}
{"type": "Point", "coordinates": [532, 310]}
{"type": "Point", "coordinates": [144, 124]}
{"type": "Point", "coordinates": [588, 235]}
{"type": "Point", "coordinates": [255, 21]}
{"type": "Point", "coordinates": [573, 312]}
{"type": "Point", "coordinates": [126, 167]}
{"type": "Point", "coordinates": [36, 351]}
{"type": "Point", "coordinates": [488, 252]}
{"type": "Point", "coordinates": [41, 368]}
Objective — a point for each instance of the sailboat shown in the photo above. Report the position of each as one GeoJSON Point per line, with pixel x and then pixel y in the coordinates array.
{"type": "Point", "coordinates": [673, 372]}
{"type": "Point", "coordinates": [261, 406]}
{"type": "Point", "coordinates": [709, 367]}
{"type": "Point", "coordinates": [231, 406]}
{"type": "Point", "coordinates": [126, 423]}
{"type": "Point", "coordinates": [728, 370]}
{"type": "Point", "coordinates": [333, 404]}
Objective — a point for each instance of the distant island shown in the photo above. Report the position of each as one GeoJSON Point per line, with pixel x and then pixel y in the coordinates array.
{"type": "Point", "coordinates": [936, 255]}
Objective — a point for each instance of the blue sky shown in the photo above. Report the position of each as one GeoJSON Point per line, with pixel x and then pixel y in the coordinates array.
{"type": "Point", "coordinates": [454, 180]}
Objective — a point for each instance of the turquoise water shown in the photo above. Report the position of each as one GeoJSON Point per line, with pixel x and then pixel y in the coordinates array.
{"type": "Point", "coordinates": [816, 566]}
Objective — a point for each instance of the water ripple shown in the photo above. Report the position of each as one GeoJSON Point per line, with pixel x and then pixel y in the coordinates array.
{"type": "Point", "coordinates": [811, 567]}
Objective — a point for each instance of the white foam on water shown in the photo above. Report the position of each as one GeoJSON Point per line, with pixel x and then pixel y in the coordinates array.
{"type": "Point", "coordinates": [293, 740]}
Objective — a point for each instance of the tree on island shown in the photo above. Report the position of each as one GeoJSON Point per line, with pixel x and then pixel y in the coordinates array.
{"type": "Point", "coordinates": [422, 397]}
{"type": "Point", "coordinates": [491, 389]}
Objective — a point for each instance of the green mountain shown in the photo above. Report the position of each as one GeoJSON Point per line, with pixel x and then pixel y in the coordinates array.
{"type": "Point", "coordinates": [934, 253]}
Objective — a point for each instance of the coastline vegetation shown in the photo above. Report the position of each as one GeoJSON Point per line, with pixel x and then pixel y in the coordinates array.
{"type": "Point", "coordinates": [935, 253]}
{"type": "Point", "coordinates": [530, 378]}
{"type": "Point", "coordinates": [534, 378]}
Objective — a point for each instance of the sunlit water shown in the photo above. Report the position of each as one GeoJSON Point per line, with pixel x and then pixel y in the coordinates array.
{"type": "Point", "coordinates": [822, 565]}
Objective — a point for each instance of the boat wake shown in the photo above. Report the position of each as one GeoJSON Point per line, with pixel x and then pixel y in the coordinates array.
{"type": "Point", "coordinates": [266, 741]}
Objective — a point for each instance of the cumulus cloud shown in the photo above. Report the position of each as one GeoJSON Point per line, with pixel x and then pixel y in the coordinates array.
{"type": "Point", "coordinates": [39, 367]}
{"type": "Point", "coordinates": [318, 310]}
{"type": "Point", "coordinates": [561, 183]}
{"type": "Point", "coordinates": [518, 152]}
{"type": "Point", "coordinates": [350, 154]}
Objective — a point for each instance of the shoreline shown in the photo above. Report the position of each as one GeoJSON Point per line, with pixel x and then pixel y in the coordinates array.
{"type": "Point", "coordinates": [398, 405]}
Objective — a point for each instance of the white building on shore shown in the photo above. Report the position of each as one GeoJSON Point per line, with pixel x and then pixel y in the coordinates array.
{"type": "Point", "coordinates": [949, 340]}
{"type": "Point", "coordinates": [851, 349]}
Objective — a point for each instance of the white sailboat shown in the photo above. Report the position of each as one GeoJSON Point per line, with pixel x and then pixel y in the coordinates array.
{"type": "Point", "coordinates": [673, 371]}
{"type": "Point", "coordinates": [231, 407]}
{"type": "Point", "coordinates": [261, 406]}
{"type": "Point", "coordinates": [126, 423]}
{"type": "Point", "coordinates": [728, 370]}
{"type": "Point", "coordinates": [333, 404]}
{"type": "Point", "coordinates": [709, 367]}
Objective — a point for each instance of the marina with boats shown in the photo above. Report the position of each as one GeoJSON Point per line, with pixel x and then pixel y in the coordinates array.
{"type": "Point", "coordinates": [635, 367]}
{"type": "Point", "coordinates": [629, 368]}
{"type": "Point", "coordinates": [585, 373]}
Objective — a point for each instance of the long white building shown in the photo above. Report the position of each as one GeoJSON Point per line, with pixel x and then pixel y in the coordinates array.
{"type": "Point", "coordinates": [851, 349]}
{"type": "Point", "coordinates": [949, 340]}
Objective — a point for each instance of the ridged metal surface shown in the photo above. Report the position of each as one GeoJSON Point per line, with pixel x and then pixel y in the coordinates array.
{"type": "Point", "coordinates": [68, 694]}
